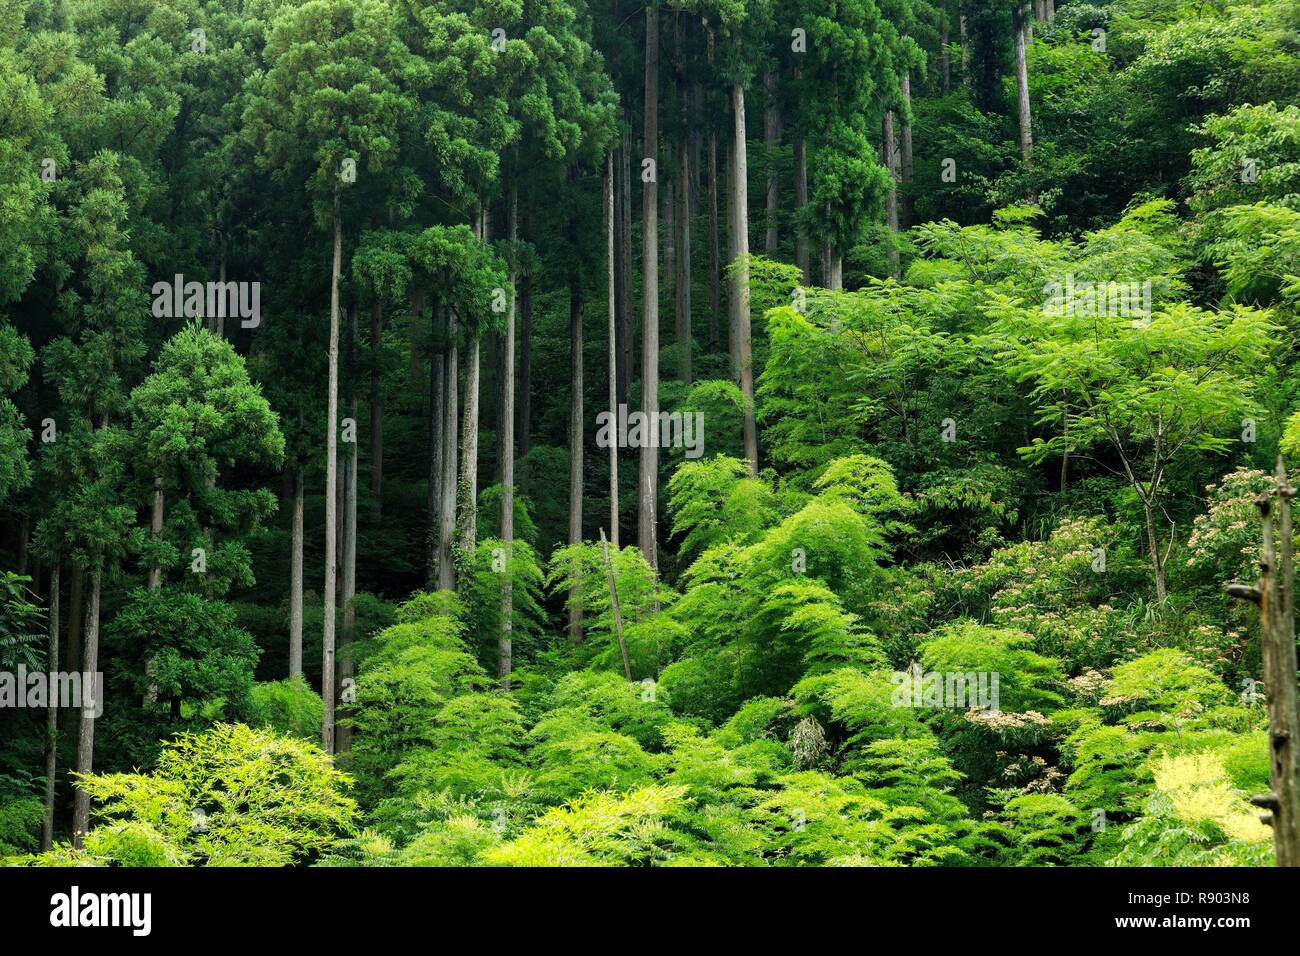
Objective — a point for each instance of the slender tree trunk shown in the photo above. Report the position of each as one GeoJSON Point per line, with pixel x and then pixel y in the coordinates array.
{"type": "Point", "coordinates": [608, 195]}
{"type": "Point", "coordinates": [964, 39]}
{"type": "Point", "coordinates": [86, 735]}
{"type": "Point", "coordinates": [625, 320]}
{"type": "Point", "coordinates": [467, 497]}
{"type": "Point", "coordinates": [524, 418]}
{"type": "Point", "coordinates": [505, 644]}
{"type": "Point", "coordinates": [576, 413]}
{"type": "Point", "coordinates": [649, 484]}
{"type": "Point", "coordinates": [614, 606]}
{"type": "Point", "coordinates": [802, 257]}
{"type": "Point", "coordinates": [715, 254]}
{"type": "Point", "coordinates": [909, 201]}
{"type": "Point", "coordinates": [437, 422]}
{"type": "Point", "coordinates": [832, 266]}
{"type": "Point", "coordinates": [889, 146]}
{"type": "Point", "coordinates": [295, 574]}
{"type": "Point", "coordinates": [1049, 9]}
{"type": "Point", "coordinates": [331, 491]}
{"type": "Point", "coordinates": [447, 513]}
{"type": "Point", "coordinates": [1153, 545]}
{"type": "Point", "coordinates": [741, 192]}
{"type": "Point", "coordinates": [683, 283]}
{"type": "Point", "coordinates": [772, 140]}
{"type": "Point", "coordinates": [1022, 87]}
{"type": "Point", "coordinates": [669, 233]}
{"type": "Point", "coordinates": [76, 617]}
{"type": "Point", "coordinates": [376, 413]}
{"type": "Point", "coordinates": [155, 530]}
{"type": "Point", "coordinates": [347, 667]}
{"type": "Point", "coordinates": [52, 712]}
{"type": "Point", "coordinates": [945, 67]}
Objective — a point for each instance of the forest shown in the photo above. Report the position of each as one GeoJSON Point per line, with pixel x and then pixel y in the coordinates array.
{"type": "Point", "coordinates": [699, 433]}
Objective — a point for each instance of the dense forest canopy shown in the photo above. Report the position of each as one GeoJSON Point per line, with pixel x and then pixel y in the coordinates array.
{"type": "Point", "coordinates": [691, 432]}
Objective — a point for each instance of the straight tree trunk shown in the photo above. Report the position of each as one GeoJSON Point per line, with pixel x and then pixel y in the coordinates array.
{"type": "Point", "coordinates": [625, 319]}
{"type": "Point", "coordinates": [613, 604]}
{"type": "Point", "coordinates": [437, 422]}
{"type": "Point", "coordinates": [450, 446]}
{"type": "Point", "coordinates": [76, 617]}
{"type": "Point", "coordinates": [467, 496]}
{"type": "Point", "coordinates": [772, 140]}
{"type": "Point", "coordinates": [524, 418]}
{"type": "Point", "coordinates": [964, 38]}
{"type": "Point", "coordinates": [155, 530]}
{"type": "Point", "coordinates": [295, 575]}
{"type": "Point", "coordinates": [331, 491]}
{"type": "Point", "coordinates": [86, 734]}
{"type": "Point", "coordinates": [683, 283]}
{"type": "Point", "coordinates": [347, 667]}
{"type": "Point", "coordinates": [649, 483]}
{"type": "Point", "coordinates": [669, 232]}
{"type": "Point", "coordinates": [52, 712]}
{"type": "Point", "coordinates": [889, 146]}
{"type": "Point", "coordinates": [1153, 546]}
{"type": "Point", "coordinates": [945, 67]}
{"type": "Point", "coordinates": [608, 195]}
{"type": "Point", "coordinates": [802, 257]}
{"type": "Point", "coordinates": [376, 413]}
{"type": "Point", "coordinates": [909, 202]}
{"type": "Point", "coordinates": [715, 254]}
{"type": "Point", "coordinates": [741, 203]}
{"type": "Point", "coordinates": [505, 643]}
{"type": "Point", "coordinates": [1022, 87]}
{"type": "Point", "coordinates": [576, 413]}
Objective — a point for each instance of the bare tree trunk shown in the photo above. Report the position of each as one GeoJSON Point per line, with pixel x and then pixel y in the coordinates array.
{"type": "Point", "coordinates": [613, 604]}
{"type": "Point", "coordinates": [155, 530]}
{"type": "Point", "coordinates": [505, 643]}
{"type": "Point", "coordinates": [625, 321]}
{"type": "Point", "coordinates": [715, 256]}
{"type": "Point", "coordinates": [772, 140]}
{"type": "Point", "coordinates": [347, 667]}
{"type": "Point", "coordinates": [76, 617]}
{"type": "Point", "coordinates": [467, 496]}
{"type": "Point", "coordinates": [832, 266]}
{"type": "Point", "coordinates": [802, 257]}
{"type": "Point", "coordinates": [52, 712]}
{"type": "Point", "coordinates": [889, 146]}
{"type": "Point", "coordinates": [447, 512]}
{"type": "Point", "coordinates": [608, 195]}
{"type": "Point", "coordinates": [331, 486]}
{"type": "Point", "coordinates": [683, 283]}
{"type": "Point", "coordinates": [376, 413]}
{"type": "Point", "coordinates": [524, 417]}
{"type": "Point", "coordinates": [1022, 86]}
{"type": "Point", "coordinates": [649, 483]}
{"type": "Point", "coordinates": [1153, 546]}
{"type": "Point", "coordinates": [576, 412]}
{"type": "Point", "coordinates": [964, 38]}
{"type": "Point", "coordinates": [945, 67]}
{"type": "Point", "coordinates": [86, 735]}
{"type": "Point", "coordinates": [295, 575]}
{"type": "Point", "coordinates": [909, 201]}
{"type": "Point", "coordinates": [741, 202]}
{"type": "Point", "coordinates": [1049, 9]}
{"type": "Point", "coordinates": [669, 233]}
{"type": "Point", "coordinates": [437, 422]}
